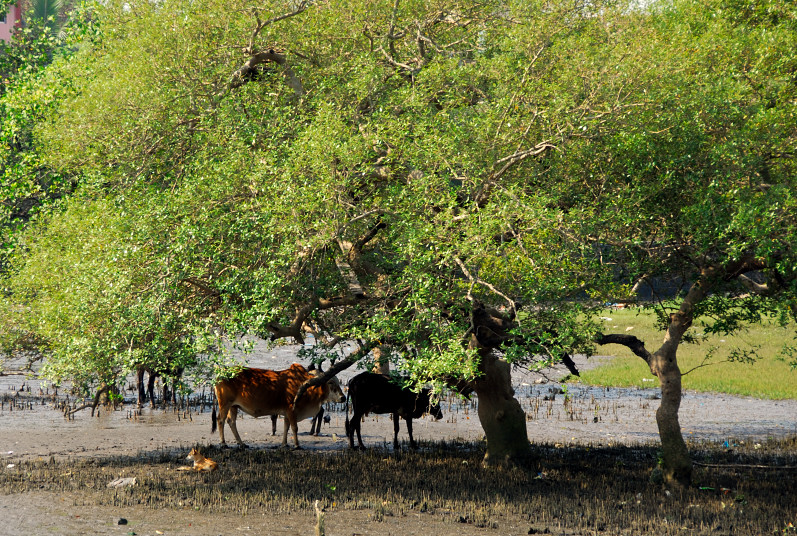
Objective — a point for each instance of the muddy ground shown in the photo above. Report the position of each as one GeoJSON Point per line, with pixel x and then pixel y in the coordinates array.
{"type": "Point", "coordinates": [45, 458]}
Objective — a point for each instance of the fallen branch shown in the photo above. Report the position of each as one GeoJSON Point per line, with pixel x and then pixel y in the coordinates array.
{"type": "Point", "coordinates": [746, 466]}
{"type": "Point", "coordinates": [93, 405]}
{"type": "Point", "coordinates": [15, 372]}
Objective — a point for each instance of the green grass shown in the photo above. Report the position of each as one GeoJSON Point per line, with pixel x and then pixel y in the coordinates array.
{"type": "Point", "coordinates": [706, 365]}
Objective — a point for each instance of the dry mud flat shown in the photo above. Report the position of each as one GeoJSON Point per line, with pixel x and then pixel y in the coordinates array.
{"type": "Point", "coordinates": [55, 471]}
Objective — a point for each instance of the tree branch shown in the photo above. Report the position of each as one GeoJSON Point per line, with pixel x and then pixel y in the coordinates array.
{"type": "Point", "coordinates": [630, 341]}
{"type": "Point", "coordinates": [203, 287]}
{"type": "Point", "coordinates": [756, 288]}
{"type": "Point", "coordinates": [294, 329]}
{"type": "Point", "coordinates": [239, 77]}
{"type": "Point", "coordinates": [260, 25]}
{"type": "Point", "coordinates": [104, 390]}
{"type": "Point", "coordinates": [747, 263]}
{"type": "Point", "coordinates": [483, 194]}
{"type": "Point", "coordinates": [475, 279]}
{"type": "Point", "coordinates": [519, 156]}
{"type": "Point", "coordinates": [348, 275]}
{"type": "Point", "coordinates": [336, 368]}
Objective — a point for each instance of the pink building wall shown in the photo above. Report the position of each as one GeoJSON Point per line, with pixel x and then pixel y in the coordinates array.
{"type": "Point", "coordinates": [12, 20]}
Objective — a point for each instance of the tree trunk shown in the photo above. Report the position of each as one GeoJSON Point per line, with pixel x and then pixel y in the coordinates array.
{"type": "Point", "coordinates": [677, 465]}
{"type": "Point", "coordinates": [501, 416]}
{"type": "Point", "coordinates": [664, 364]}
{"type": "Point", "coordinates": [381, 362]}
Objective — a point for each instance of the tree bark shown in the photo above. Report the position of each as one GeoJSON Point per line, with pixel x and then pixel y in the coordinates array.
{"type": "Point", "coordinates": [501, 416]}
{"type": "Point", "coordinates": [664, 364]}
{"type": "Point", "coordinates": [381, 362]}
{"type": "Point", "coordinates": [677, 465]}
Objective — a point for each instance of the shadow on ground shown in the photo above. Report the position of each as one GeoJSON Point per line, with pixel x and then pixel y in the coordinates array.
{"type": "Point", "coordinates": [740, 487]}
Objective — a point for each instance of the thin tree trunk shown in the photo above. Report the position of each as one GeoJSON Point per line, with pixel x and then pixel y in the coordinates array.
{"type": "Point", "coordinates": [677, 466]}
{"type": "Point", "coordinates": [664, 364]}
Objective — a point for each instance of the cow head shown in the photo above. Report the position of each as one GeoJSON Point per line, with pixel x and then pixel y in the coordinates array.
{"type": "Point", "coordinates": [433, 409]}
{"type": "Point", "coordinates": [335, 391]}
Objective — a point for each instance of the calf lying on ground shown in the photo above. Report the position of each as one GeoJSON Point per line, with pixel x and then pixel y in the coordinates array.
{"type": "Point", "coordinates": [200, 462]}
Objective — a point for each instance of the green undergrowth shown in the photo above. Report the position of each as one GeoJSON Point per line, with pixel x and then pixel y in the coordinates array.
{"type": "Point", "coordinates": [586, 490]}
{"type": "Point", "coordinates": [708, 366]}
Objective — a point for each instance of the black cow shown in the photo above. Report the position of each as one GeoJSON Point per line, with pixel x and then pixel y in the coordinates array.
{"type": "Point", "coordinates": [376, 393]}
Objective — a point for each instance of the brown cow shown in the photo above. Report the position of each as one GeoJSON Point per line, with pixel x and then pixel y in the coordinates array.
{"type": "Point", "coordinates": [260, 392]}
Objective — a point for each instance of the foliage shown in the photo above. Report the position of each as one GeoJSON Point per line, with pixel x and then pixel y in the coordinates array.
{"type": "Point", "coordinates": [28, 93]}
{"type": "Point", "coordinates": [405, 173]}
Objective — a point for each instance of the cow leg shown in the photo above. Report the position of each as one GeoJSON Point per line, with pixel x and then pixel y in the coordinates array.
{"type": "Point", "coordinates": [273, 425]}
{"type": "Point", "coordinates": [396, 420]}
{"type": "Point", "coordinates": [350, 430]}
{"type": "Point", "coordinates": [295, 429]}
{"type": "Point", "coordinates": [315, 426]}
{"type": "Point", "coordinates": [286, 425]}
{"type": "Point", "coordinates": [222, 418]}
{"type": "Point", "coordinates": [358, 423]}
{"type": "Point", "coordinates": [232, 418]}
{"type": "Point", "coordinates": [290, 421]}
{"type": "Point", "coordinates": [409, 431]}
{"type": "Point", "coordinates": [354, 425]}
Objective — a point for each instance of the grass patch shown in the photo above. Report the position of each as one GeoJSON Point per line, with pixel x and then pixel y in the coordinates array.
{"type": "Point", "coordinates": [707, 365]}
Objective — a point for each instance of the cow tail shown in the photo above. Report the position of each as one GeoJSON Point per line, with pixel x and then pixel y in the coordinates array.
{"type": "Point", "coordinates": [346, 410]}
{"type": "Point", "coordinates": [213, 418]}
